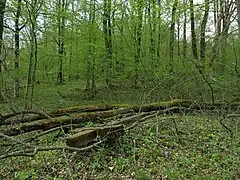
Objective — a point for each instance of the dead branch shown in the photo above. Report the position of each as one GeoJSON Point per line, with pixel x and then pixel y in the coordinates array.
{"type": "Point", "coordinates": [32, 152]}
{"type": "Point", "coordinates": [3, 118]}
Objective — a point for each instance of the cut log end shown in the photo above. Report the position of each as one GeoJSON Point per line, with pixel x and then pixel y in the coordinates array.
{"type": "Point", "coordinates": [85, 136]}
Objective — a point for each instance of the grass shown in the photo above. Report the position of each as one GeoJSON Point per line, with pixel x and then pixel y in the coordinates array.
{"type": "Point", "coordinates": [195, 146]}
{"type": "Point", "coordinates": [202, 149]}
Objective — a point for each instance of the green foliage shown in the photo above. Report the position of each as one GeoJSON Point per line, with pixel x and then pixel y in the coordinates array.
{"type": "Point", "coordinates": [201, 148]}
{"type": "Point", "coordinates": [205, 151]}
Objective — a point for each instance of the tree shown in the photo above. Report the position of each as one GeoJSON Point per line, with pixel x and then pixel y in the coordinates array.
{"type": "Point", "coordinates": [107, 28]}
{"type": "Point", "coordinates": [32, 8]}
{"type": "Point", "coordinates": [90, 70]}
{"type": "Point", "coordinates": [238, 13]}
{"type": "Point", "coordinates": [17, 47]}
{"type": "Point", "coordinates": [172, 33]}
{"type": "Point", "coordinates": [138, 36]}
{"type": "Point", "coordinates": [61, 11]}
{"type": "Point", "coordinates": [2, 10]}
{"type": "Point", "coordinates": [203, 29]}
{"type": "Point", "coordinates": [193, 33]}
{"type": "Point", "coordinates": [152, 31]}
{"type": "Point", "coordinates": [185, 32]}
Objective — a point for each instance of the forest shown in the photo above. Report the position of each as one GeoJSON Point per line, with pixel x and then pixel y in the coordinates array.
{"type": "Point", "coordinates": [119, 89]}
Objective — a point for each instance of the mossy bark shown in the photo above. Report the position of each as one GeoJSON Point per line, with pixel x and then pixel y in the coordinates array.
{"type": "Point", "coordinates": [98, 114]}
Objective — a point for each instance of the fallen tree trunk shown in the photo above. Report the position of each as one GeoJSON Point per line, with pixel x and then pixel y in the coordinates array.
{"type": "Point", "coordinates": [45, 124]}
{"type": "Point", "coordinates": [91, 108]}
{"type": "Point", "coordinates": [174, 106]}
{"type": "Point", "coordinates": [84, 137]}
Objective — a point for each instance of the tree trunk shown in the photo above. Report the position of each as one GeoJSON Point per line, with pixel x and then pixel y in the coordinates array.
{"type": "Point", "coordinates": [193, 33]}
{"type": "Point", "coordinates": [152, 29]}
{"type": "Point", "coordinates": [16, 51]}
{"type": "Point", "coordinates": [107, 28]}
{"type": "Point", "coordinates": [185, 33]}
{"type": "Point", "coordinates": [238, 12]}
{"type": "Point", "coordinates": [61, 29]}
{"type": "Point", "coordinates": [203, 29]}
{"type": "Point", "coordinates": [159, 34]}
{"type": "Point", "coordinates": [172, 32]}
{"type": "Point", "coordinates": [2, 11]}
{"type": "Point", "coordinates": [138, 41]}
{"type": "Point", "coordinates": [90, 84]}
{"type": "Point", "coordinates": [32, 9]}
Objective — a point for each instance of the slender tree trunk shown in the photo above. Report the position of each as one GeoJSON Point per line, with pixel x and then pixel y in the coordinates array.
{"type": "Point", "coordinates": [61, 30]}
{"type": "Point", "coordinates": [159, 27]}
{"type": "Point", "coordinates": [2, 10]}
{"type": "Point", "coordinates": [93, 86]}
{"type": "Point", "coordinates": [152, 29]}
{"type": "Point", "coordinates": [138, 38]}
{"type": "Point", "coordinates": [185, 33]}
{"type": "Point", "coordinates": [193, 33]}
{"type": "Point", "coordinates": [72, 39]}
{"type": "Point", "coordinates": [218, 25]}
{"type": "Point", "coordinates": [33, 14]}
{"type": "Point", "coordinates": [238, 12]}
{"type": "Point", "coordinates": [16, 51]}
{"type": "Point", "coordinates": [178, 38]}
{"type": "Point", "coordinates": [172, 32]}
{"type": "Point", "coordinates": [107, 28]}
{"type": "Point", "coordinates": [203, 29]}
{"type": "Point", "coordinates": [90, 73]}
{"type": "Point", "coordinates": [153, 43]}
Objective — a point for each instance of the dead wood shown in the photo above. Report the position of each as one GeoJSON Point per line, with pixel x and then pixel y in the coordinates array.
{"type": "Point", "coordinates": [91, 108]}
{"type": "Point", "coordinates": [5, 117]}
{"type": "Point", "coordinates": [85, 136]}
{"type": "Point", "coordinates": [95, 115]}
{"type": "Point", "coordinates": [33, 151]}
{"type": "Point", "coordinates": [45, 124]}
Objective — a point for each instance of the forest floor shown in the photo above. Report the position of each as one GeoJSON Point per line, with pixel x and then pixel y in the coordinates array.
{"type": "Point", "coordinates": [195, 146]}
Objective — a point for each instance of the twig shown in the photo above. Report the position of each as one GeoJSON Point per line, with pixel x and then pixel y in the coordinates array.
{"type": "Point", "coordinates": [46, 132]}
{"type": "Point", "coordinates": [146, 118]}
{"type": "Point", "coordinates": [7, 116]}
{"type": "Point", "coordinates": [32, 152]}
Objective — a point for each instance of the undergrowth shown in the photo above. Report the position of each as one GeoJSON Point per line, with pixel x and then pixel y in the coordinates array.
{"type": "Point", "coordinates": [192, 147]}
{"type": "Point", "coordinates": [195, 146]}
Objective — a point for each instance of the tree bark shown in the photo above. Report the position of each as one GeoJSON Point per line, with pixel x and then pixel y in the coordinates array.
{"type": "Point", "coordinates": [138, 40]}
{"type": "Point", "coordinates": [107, 28]}
{"type": "Point", "coordinates": [238, 13]}
{"type": "Point", "coordinates": [32, 8]}
{"type": "Point", "coordinates": [185, 32]}
{"type": "Point", "coordinates": [2, 11]}
{"type": "Point", "coordinates": [80, 119]}
{"type": "Point", "coordinates": [172, 32]}
{"type": "Point", "coordinates": [203, 29]}
{"type": "Point", "coordinates": [61, 8]}
{"type": "Point", "coordinates": [16, 50]}
{"type": "Point", "coordinates": [193, 33]}
{"type": "Point", "coordinates": [90, 73]}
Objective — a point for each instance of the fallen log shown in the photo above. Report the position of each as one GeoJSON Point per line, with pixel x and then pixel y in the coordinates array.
{"type": "Point", "coordinates": [174, 106]}
{"type": "Point", "coordinates": [84, 137]}
{"type": "Point", "coordinates": [91, 108]}
{"type": "Point", "coordinates": [45, 124]}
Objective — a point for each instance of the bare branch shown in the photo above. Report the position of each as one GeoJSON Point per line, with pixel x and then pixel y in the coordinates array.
{"type": "Point", "coordinates": [33, 151]}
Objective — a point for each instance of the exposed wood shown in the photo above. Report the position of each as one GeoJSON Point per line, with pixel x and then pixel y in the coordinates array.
{"type": "Point", "coordinates": [82, 138]}
{"type": "Point", "coordinates": [44, 124]}
{"type": "Point", "coordinates": [90, 108]}
{"type": "Point", "coordinates": [87, 135]}
{"type": "Point", "coordinates": [175, 106]}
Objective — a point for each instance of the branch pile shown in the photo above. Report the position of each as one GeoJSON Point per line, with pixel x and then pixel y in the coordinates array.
{"type": "Point", "coordinates": [113, 119]}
